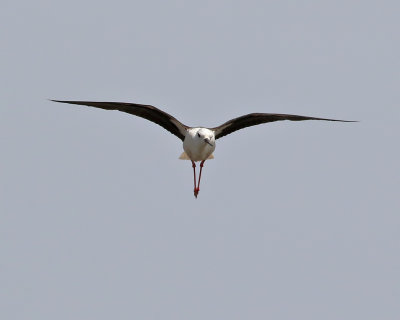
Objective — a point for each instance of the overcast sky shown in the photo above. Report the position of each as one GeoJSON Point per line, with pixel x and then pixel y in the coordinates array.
{"type": "Point", "coordinates": [294, 220]}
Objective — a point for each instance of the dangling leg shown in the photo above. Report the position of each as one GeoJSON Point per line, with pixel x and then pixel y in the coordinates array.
{"type": "Point", "coordinates": [198, 183]}
{"type": "Point", "coordinates": [194, 177]}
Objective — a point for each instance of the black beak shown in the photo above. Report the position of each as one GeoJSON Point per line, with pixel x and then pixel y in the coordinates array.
{"type": "Point", "coordinates": [208, 142]}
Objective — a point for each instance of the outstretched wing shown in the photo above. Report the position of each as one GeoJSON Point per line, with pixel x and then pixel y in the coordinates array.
{"type": "Point", "coordinates": [253, 119]}
{"type": "Point", "coordinates": [148, 112]}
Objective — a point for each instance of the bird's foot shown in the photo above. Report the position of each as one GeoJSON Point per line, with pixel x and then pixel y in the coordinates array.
{"type": "Point", "coordinates": [196, 192]}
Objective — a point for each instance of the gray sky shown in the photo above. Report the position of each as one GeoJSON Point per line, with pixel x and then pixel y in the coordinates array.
{"type": "Point", "coordinates": [293, 220]}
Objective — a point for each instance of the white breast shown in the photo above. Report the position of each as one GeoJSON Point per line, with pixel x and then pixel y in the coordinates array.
{"type": "Point", "coordinates": [195, 147]}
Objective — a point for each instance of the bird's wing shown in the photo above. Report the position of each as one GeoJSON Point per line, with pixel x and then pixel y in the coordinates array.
{"type": "Point", "coordinates": [253, 119]}
{"type": "Point", "coordinates": [148, 112]}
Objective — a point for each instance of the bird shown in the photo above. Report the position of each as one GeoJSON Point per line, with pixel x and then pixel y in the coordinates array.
{"type": "Point", "coordinates": [198, 142]}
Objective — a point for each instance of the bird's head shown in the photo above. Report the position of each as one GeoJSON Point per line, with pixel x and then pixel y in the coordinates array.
{"type": "Point", "coordinates": [206, 135]}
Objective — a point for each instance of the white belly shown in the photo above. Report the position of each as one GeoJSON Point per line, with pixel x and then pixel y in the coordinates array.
{"type": "Point", "coordinates": [197, 151]}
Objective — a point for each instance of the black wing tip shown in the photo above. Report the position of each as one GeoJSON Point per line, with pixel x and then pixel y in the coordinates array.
{"type": "Point", "coordinates": [89, 103]}
{"type": "Point", "coordinates": [62, 101]}
{"type": "Point", "coordinates": [66, 101]}
{"type": "Point", "coordinates": [346, 120]}
{"type": "Point", "coordinates": [82, 103]}
{"type": "Point", "coordinates": [77, 101]}
{"type": "Point", "coordinates": [337, 120]}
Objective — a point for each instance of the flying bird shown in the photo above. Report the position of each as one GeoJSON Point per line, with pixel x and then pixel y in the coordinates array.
{"type": "Point", "coordinates": [198, 142]}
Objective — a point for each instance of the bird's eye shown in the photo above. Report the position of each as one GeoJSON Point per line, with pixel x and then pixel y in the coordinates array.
{"type": "Point", "coordinates": [198, 134]}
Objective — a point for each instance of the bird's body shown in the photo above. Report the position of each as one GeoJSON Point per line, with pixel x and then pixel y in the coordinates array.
{"type": "Point", "coordinates": [198, 142]}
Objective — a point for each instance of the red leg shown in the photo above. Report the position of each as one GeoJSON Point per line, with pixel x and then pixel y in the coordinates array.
{"type": "Point", "coordinates": [198, 183]}
{"type": "Point", "coordinates": [194, 177]}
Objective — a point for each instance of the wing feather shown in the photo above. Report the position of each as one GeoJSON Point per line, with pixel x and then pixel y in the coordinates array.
{"type": "Point", "coordinates": [253, 119]}
{"type": "Point", "coordinates": [148, 112]}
